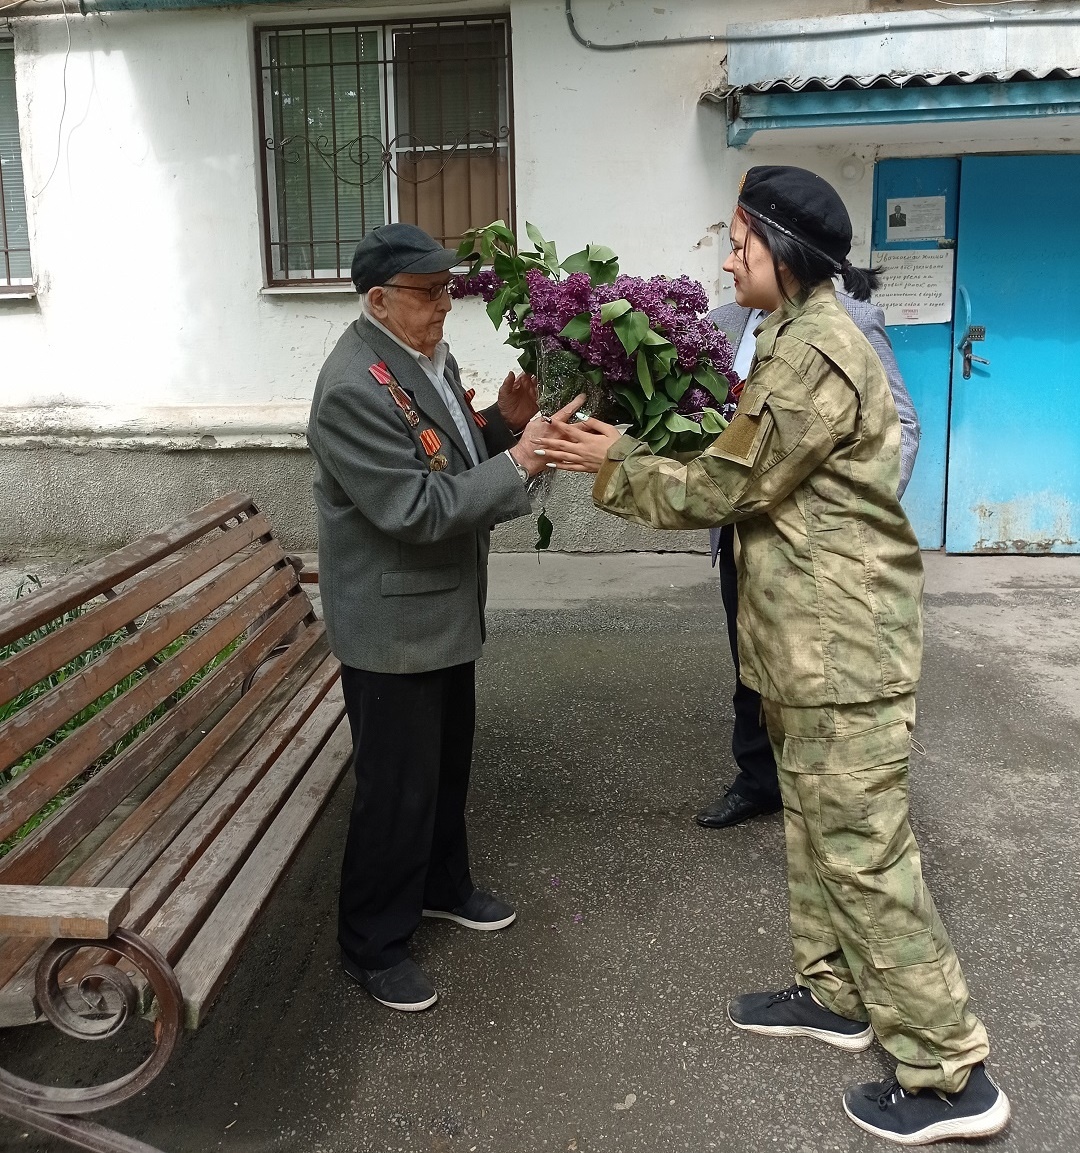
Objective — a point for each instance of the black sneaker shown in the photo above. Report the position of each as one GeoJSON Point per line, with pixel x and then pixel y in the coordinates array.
{"type": "Point", "coordinates": [794, 1013]}
{"type": "Point", "coordinates": [883, 1108]}
{"type": "Point", "coordinates": [403, 986]}
{"type": "Point", "coordinates": [481, 911]}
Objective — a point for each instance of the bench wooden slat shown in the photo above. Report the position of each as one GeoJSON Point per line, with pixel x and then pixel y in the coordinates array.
{"type": "Point", "coordinates": [32, 724]}
{"type": "Point", "coordinates": [178, 920]}
{"type": "Point", "coordinates": [32, 611]}
{"type": "Point", "coordinates": [241, 730]}
{"type": "Point", "coordinates": [40, 659]}
{"type": "Point", "coordinates": [26, 794]}
{"type": "Point", "coordinates": [35, 857]}
{"type": "Point", "coordinates": [143, 836]}
{"type": "Point", "coordinates": [208, 959]}
{"type": "Point", "coordinates": [173, 864]}
{"type": "Point", "coordinates": [61, 911]}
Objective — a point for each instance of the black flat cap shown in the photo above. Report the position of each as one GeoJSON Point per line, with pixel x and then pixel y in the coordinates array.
{"type": "Point", "coordinates": [395, 248]}
{"type": "Point", "coordinates": [801, 205]}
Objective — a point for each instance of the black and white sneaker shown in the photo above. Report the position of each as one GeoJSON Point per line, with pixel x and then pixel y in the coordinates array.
{"type": "Point", "coordinates": [481, 911]}
{"type": "Point", "coordinates": [885, 1109]}
{"type": "Point", "coordinates": [794, 1013]}
{"type": "Point", "coordinates": [403, 986]}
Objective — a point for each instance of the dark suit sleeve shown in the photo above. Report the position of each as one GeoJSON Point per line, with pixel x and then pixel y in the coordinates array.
{"type": "Point", "coordinates": [363, 442]}
{"type": "Point", "coordinates": [497, 434]}
{"type": "Point", "coordinates": [871, 321]}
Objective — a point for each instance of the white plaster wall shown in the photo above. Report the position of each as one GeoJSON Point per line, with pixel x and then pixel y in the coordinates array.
{"type": "Point", "coordinates": [143, 195]}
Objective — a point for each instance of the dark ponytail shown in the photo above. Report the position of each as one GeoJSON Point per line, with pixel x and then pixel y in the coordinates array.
{"type": "Point", "coordinates": [859, 282]}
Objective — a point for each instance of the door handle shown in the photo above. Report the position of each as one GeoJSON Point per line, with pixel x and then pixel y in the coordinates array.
{"type": "Point", "coordinates": [974, 332]}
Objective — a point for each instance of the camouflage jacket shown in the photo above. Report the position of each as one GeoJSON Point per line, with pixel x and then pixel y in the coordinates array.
{"type": "Point", "coordinates": [830, 576]}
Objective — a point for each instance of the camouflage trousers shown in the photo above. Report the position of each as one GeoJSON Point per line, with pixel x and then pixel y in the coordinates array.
{"type": "Point", "coordinates": [867, 939]}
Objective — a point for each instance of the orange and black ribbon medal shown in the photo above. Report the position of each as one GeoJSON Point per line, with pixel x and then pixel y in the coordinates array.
{"type": "Point", "coordinates": [429, 438]}
{"type": "Point", "coordinates": [479, 418]}
{"type": "Point", "coordinates": [399, 396]}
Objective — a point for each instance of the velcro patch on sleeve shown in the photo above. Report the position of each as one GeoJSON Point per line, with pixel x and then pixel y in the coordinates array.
{"type": "Point", "coordinates": [739, 442]}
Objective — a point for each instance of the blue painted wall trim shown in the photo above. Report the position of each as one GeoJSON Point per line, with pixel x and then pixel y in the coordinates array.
{"type": "Point", "coordinates": [750, 112]}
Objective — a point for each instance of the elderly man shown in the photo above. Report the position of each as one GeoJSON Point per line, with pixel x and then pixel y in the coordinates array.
{"type": "Point", "coordinates": [756, 788]}
{"type": "Point", "coordinates": [409, 480]}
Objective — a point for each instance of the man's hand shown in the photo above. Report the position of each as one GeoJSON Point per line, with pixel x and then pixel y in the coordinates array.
{"type": "Point", "coordinates": [581, 447]}
{"type": "Point", "coordinates": [517, 400]}
{"type": "Point", "coordinates": [524, 452]}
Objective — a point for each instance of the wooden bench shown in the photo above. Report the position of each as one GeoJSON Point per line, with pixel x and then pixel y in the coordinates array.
{"type": "Point", "coordinates": [218, 736]}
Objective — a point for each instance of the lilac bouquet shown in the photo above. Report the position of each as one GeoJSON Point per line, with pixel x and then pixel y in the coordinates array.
{"type": "Point", "coordinates": [641, 350]}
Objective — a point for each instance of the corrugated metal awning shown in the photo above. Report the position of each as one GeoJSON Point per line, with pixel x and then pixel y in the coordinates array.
{"type": "Point", "coordinates": [905, 80]}
{"type": "Point", "coordinates": [901, 68]}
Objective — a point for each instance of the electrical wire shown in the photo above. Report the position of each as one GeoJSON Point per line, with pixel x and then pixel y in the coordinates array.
{"type": "Point", "coordinates": [873, 29]}
{"type": "Point", "coordinates": [63, 106]}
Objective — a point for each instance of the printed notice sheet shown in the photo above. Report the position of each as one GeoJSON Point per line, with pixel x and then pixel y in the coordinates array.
{"type": "Point", "coordinates": [916, 285]}
{"type": "Point", "coordinates": [915, 218]}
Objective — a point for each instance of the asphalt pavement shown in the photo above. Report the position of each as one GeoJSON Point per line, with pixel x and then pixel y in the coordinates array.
{"type": "Point", "coordinates": [596, 1024]}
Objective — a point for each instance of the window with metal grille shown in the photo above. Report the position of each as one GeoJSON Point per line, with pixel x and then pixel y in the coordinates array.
{"type": "Point", "coordinates": [14, 238]}
{"type": "Point", "coordinates": [367, 124]}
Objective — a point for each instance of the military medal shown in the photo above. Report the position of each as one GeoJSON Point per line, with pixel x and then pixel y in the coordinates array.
{"type": "Point", "coordinates": [438, 462]}
{"type": "Point", "coordinates": [399, 396]}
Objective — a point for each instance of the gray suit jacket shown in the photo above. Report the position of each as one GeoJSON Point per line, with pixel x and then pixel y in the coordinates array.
{"type": "Point", "coordinates": [402, 550]}
{"type": "Point", "coordinates": [731, 319]}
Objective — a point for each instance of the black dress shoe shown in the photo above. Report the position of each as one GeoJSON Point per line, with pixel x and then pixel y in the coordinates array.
{"type": "Point", "coordinates": [403, 986]}
{"type": "Point", "coordinates": [732, 809]}
{"type": "Point", "coordinates": [481, 911]}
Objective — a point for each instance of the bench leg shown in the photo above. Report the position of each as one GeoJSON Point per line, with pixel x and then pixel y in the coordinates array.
{"type": "Point", "coordinates": [85, 1012]}
{"type": "Point", "coordinates": [74, 1130]}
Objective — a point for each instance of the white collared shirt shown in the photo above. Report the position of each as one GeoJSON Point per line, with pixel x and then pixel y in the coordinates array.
{"type": "Point", "coordinates": [745, 354]}
{"type": "Point", "coordinates": [434, 369]}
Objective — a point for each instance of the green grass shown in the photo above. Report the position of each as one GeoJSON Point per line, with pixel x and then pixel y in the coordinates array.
{"type": "Point", "coordinates": [73, 666]}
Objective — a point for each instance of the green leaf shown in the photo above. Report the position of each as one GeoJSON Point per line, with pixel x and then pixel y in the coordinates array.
{"type": "Point", "coordinates": [612, 310]}
{"type": "Point", "coordinates": [498, 228]}
{"type": "Point", "coordinates": [712, 381]}
{"type": "Point", "coordinates": [655, 340]}
{"type": "Point", "coordinates": [659, 403]}
{"type": "Point", "coordinates": [508, 268]}
{"type": "Point", "coordinates": [644, 377]}
{"type": "Point", "coordinates": [499, 305]}
{"type": "Point", "coordinates": [598, 254]}
{"type": "Point", "coordinates": [660, 439]}
{"type": "Point", "coordinates": [603, 273]}
{"type": "Point", "coordinates": [676, 423]}
{"type": "Point", "coordinates": [577, 329]}
{"type": "Point", "coordinates": [677, 384]}
{"type": "Point", "coordinates": [521, 308]}
{"type": "Point", "coordinates": [630, 328]}
{"type": "Point", "coordinates": [535, 237]}
{"type": "Point", "coordinates": [712, 421]}
{"type": "Point", "coordinates": [664, 359]}
{"type": "Point", "coordinates": [544, 528]}
{"type": "Point", "coordinates": [632, 402]}
{"type": "Point", "coordinates": [578, 262]}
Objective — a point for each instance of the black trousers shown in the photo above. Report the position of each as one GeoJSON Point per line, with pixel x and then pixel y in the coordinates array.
{"type": "Point", "coordinates": [750, 748]}
{"type": "Point", "coordinates": [406, 849]}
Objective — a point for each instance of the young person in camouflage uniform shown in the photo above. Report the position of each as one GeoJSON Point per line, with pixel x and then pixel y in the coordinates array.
{"type": "Point", "coordinates": [830, 635]}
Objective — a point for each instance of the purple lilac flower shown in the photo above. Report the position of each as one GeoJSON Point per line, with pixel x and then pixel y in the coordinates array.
{"type": "Point", "coordinates": [485, 284]}
{"type": "Point", "coordinates": [555, 303]}
{"type": "Point", "coordinates": [694, 400]}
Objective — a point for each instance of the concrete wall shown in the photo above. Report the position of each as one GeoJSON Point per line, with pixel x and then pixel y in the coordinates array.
{"type": "Point", "coordinates": [153, 367]}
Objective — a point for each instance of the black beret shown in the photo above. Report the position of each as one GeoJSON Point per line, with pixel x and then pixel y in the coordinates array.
{"type": "Point", "coordinates": [395, 248]}
{"type": "Point", "coordinates": [801, 205]}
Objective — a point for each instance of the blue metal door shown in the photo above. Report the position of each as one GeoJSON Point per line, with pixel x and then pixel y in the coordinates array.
{"type": "Point", "coordinates": [1014, 446]}
{"type": "Point", "coordinates": [923, 351]}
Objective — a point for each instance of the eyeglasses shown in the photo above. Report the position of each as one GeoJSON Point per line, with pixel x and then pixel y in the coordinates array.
{"type": "Point", "coordinates": [433, 293]}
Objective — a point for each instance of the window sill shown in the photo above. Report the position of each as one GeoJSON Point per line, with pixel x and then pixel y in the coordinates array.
{"type": "Point", "coordinates": [18, 292]}
{"type": "Point", "coordinates": [308, 290]}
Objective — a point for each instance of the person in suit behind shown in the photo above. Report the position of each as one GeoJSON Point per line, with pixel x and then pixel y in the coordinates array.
{"type": "Point", "coordinates": [408, 482]}
{"type": "Point", "coordinates": [756, 789]}
{"type": "Point", "coordinates": [898, 217]}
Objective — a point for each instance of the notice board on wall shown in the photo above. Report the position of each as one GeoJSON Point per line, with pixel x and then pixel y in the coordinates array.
{"type": "Point", "coordinates": [916, 285]}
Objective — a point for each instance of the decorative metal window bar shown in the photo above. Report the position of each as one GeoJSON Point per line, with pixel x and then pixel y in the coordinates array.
{"type": "Point", "coordinates": [364, 124]}
{"type": "Point", "coordinates": [15, 269]}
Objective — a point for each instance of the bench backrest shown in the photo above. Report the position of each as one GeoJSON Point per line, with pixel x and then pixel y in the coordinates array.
{"type": "Point", "coordinates": [118, 667]}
